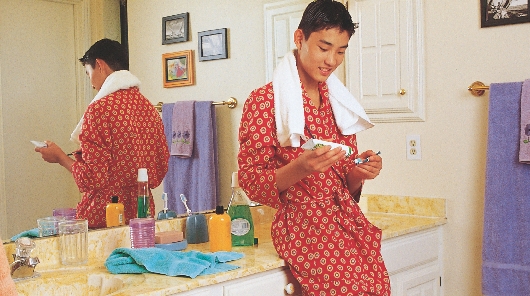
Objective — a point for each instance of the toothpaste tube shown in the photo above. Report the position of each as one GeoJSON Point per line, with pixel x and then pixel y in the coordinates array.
{"type": "Point", "coordinates": [314, 144]}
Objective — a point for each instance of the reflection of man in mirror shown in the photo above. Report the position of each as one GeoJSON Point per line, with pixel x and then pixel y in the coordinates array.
{"type": "Point", "coordinates": [319, 229]}
{"type": "Point", "coordinates": [119, 133]}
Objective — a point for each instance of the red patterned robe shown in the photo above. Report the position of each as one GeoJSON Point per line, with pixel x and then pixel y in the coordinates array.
{"type": "Point", "coordinates": [121, 133]}
{"type": "Point", "coordinates": [329, 245]}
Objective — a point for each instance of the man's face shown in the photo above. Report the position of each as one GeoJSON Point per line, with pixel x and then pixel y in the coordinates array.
{"type": "Point", "coordinates": [321, 54]}
{"type": "Point", "coordinates": [96, 75]}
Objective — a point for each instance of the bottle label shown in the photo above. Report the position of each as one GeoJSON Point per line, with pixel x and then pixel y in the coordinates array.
{"type": "Point", "coordinates": [240, 226]}
{"type": "Point", "coordinates": [120, 219]}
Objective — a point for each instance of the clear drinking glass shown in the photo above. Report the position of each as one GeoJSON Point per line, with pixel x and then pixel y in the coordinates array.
{"type": "Point", "coordinates": [49, 225]}
{"type": "Point", "coordinates": [73, 240]}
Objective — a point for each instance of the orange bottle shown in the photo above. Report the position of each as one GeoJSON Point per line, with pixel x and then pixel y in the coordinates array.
{"type": "Point", "coordinates": [219, 231]}
{"type": "Point", "coordinates": [114, 213]}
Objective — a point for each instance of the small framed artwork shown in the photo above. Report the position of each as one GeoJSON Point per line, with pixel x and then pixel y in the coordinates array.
{"type": "Point", "coordinates": [175, 28]}
{"type": "Point", "coordinates": [503, 12]}
{"type": "Point", "coordinates": [178, 69]}
{"type": "Point", "coordinates": [212, 45]}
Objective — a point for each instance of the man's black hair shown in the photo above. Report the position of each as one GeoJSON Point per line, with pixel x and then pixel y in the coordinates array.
{"type": "Point", "coordinates": [326, 14]}
{"type": "Point", "coordinates": [112, 52]}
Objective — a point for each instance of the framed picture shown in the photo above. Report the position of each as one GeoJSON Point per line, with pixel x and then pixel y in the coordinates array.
{"type": "Point", "coordinates": [175, 28]}
{"type": "Point", "coordinates": [503, 12]}
{"type": "Point", "coordinates": [178, 68]}
{"type": "Point", "coordinates": [212, 45]}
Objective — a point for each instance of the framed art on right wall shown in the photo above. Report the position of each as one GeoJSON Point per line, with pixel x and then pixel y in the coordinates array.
{"type": "Point", "coordinates": [503, 12]}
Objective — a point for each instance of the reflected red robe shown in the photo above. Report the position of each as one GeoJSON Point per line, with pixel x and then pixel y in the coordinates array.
{"type": "Point", "coordinates": [121, 133]}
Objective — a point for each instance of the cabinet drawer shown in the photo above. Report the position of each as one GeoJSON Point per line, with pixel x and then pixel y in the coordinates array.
{"type": "Point", "coordinates": [271, 283]}
{"type": "Point", "coordinates": [407, 251]}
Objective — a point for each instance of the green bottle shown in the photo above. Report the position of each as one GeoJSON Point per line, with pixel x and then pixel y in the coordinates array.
{"type": "Point", "coordinates": [242, 227]}
{"type": "Point", "coordinates": [143, 194]}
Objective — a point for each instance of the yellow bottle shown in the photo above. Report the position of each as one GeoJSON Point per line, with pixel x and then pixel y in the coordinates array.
{"type": "Point", "coordinates": [219, 228]}
{"type": "Point", "coordinates": [114, 213]}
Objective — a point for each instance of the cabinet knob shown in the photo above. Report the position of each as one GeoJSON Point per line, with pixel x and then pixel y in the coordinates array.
{"type": "Point", "coordinates": [402, 91]}
{"type": "Point", "coordinates": [289, 289]}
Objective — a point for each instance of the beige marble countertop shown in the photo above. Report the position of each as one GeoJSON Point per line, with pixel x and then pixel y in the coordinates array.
{"type": "Point", "coordinates": [394, 215]}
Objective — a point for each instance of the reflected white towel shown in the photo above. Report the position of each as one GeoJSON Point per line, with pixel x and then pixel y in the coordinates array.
{"type": "Point", "coordinates": [288, 104]}
{"type": "Point", "coordinates": [117, 80]}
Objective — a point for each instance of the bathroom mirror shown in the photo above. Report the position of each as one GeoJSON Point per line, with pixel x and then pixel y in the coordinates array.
{"type": "Point", "coordinates": [43, 93]}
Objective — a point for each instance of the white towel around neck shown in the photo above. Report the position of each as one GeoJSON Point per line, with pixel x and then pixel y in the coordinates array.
{"type": "Point", "coordinates": [289, 107]}
{"type": "Point", "coordinates": [122, 79]}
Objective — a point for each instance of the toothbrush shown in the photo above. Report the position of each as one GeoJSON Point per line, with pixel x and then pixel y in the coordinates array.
{"type": "Point", "coordinates": [164, 198]}
{"type": "Point", "coordinates": [358, 161]}
{"type": "Point", "coordinates": [184, 200]}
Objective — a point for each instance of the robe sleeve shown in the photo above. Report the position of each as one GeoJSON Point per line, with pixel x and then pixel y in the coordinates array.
{"type": "Point", "coordinates": [257, 148]}
{"type": "Point", "coordinates": [91, 170]}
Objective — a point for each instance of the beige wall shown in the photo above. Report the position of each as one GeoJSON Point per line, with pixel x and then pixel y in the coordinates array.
{"type": "Point", "coordinates": [453, 136]}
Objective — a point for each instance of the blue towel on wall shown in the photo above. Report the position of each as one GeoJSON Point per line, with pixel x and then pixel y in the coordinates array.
{"type": "Point", "coordinates": [197, 177]}
{"type": "Point", "coordinates": [506, 242]}
{"type": "Point", "coordinates": [171, 263]}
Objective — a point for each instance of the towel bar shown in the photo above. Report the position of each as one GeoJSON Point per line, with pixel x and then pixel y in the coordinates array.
{"type": "Point", "coordinates": [478, 88]}
{"type": "Point", "coordinates": [231, 102]}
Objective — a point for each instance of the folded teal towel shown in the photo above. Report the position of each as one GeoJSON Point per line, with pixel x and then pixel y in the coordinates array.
{"type": "Point", "coordinates": [28, 233]}
{"type": "Point", "coordinates": [172, 263]}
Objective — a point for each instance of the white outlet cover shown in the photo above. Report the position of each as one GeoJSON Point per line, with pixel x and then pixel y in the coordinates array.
{"type": "Point", "coordinates": [411, 139]}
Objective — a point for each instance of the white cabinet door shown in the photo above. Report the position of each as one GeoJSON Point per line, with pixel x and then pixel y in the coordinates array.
{"type": "Point", "coordinates": [271, 283]}
{"type": "Point", "coordinates": [414, 263]}
{"type": "Point", "coordinates": [268, 283]}
{"type": "Point", "coordinates": [213, 290]}
{"type": "Point", "coordinates": [420, 281]}
{"type": "Point", "coordinates": [385, 59]}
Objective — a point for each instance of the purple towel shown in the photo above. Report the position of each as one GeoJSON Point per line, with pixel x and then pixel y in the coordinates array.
{"type": "Point", "coordinates": [506, 241]}
{"type": "Point", "coordinates": [524, 141]}
{"type": "Point", "coordinates": [196, 177]}
{"type": "Point", "coordinates": [182, 129]}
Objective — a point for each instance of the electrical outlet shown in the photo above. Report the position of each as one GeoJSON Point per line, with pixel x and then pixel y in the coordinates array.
{"type": "Point", "coordinates": [413, 147]}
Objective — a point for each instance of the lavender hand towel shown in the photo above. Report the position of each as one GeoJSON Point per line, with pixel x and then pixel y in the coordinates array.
{"type": "Point", "coordinates": [506, 241]}
{"type": "Point", "coordinates": [524, 141]}
{"type": "Point", "coordinates": [183, 129]}
{"type": "Point", "coordinates": [196, 177]}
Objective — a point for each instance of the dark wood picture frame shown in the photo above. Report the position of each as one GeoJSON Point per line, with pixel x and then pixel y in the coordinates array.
{"type": "Point", "coordinates": [213, 45]}
{"type": "Point", "coordinates": [503, 12]}
{"type": "Point", "coordinates": [175, 28]}
{"type": "Point", "coordinates": [178, 68]}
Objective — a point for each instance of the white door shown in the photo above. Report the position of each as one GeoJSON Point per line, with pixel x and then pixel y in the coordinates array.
{"type": "Point", "coordinates": [281, 20]}
{"type": "Point", "coordinates": [385, 68]}
{"type": "Point", "coordinates": [42, 89]}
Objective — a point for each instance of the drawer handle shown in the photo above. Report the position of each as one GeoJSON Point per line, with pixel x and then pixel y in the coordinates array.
{"type": "Point", "coordinates": [289, 288]}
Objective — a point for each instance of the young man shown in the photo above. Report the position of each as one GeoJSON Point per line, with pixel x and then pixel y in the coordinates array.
{"type": "Point", "coordinates": [319, 229]}
{"type": "Point", "coordinates": [119, 133]}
